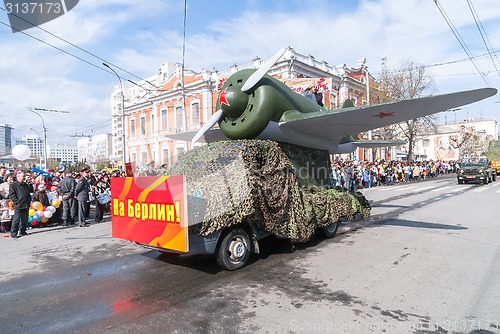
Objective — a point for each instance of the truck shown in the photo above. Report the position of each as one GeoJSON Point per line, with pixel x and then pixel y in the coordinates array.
{"type": "Point", "coordinates": [477, 170]}
{"type": "Point", "coordinates": [223, 197]}
{"type": "Point", "coordinates": [494, 155]}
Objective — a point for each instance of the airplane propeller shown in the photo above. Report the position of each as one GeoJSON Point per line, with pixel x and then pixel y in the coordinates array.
{"type": "Point", "coordinates": [208, 125]}
{"type": "Point", "coordinates": [247, 86]}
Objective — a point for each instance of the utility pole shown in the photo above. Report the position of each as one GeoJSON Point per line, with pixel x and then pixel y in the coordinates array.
{"type": "Point", "coordinates": [123, 115]}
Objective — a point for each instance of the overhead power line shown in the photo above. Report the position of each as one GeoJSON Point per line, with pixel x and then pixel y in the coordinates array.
{"type": "Point", "coordinates": [70, 43]}
{"type": "Point", "coordinates": [481, 30]}
{"type": "Point", "coordinates": [461, 41]}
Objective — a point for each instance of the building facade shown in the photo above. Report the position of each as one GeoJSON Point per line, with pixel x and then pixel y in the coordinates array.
{"type": "Point", "coordinates": [175, 101]}
{"type": "Point", "coordinates": [5, 139]}
{"type": "Point", "coordinates": [63, 154]}
{"type": "Point", "coordinates": [455, 141]}
{"type": "Point", "coordinates": [92, 150]}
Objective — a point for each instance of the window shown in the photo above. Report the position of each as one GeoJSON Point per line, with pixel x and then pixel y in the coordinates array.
{"type": "Point", "coordinates": [178, 118]}
{"type": "Point", "coordinates": [164, 154]}
{"type": "Point", "coordinates": [164, 119]}
{"type": "Point", "coordinates": [132, 128]}
{"type": "Point", "coordinates": [426, 143]}
{"type": "Point", "coordinates": [153, 125]}
{"type": "Point", "coordinates": [195, 112]}
{"type": "Point", "coordinates": [144, 157]}
{"type": "Point", "coordinates": [143, 125]}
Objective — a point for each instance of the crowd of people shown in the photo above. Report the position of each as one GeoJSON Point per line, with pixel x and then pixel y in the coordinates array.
{"type": "Point", "coordinates": [353, 175]}
{"type": "Point", "coordinates": [64, 198]}
{"type": "Point", "coordinates": [70, 195]}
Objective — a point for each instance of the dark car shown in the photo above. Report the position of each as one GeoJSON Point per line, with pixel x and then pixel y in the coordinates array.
{"type": "Point", "coordinates": [476, 170]}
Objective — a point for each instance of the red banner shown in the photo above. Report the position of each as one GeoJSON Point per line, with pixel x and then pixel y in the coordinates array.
{"type": "Point", "coordinates": [150, 210]}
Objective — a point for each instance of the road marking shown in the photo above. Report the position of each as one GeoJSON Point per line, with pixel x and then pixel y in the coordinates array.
{"type": "Point", "coordinates": [406, 188]}
{"type": "Point", "coordinates": [425, 188]}
{"type": "Point", "coordinates": [442, 188]}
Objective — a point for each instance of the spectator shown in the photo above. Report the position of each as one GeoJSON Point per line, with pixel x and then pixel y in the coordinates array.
{"type": "Point", "coordinates": [3, 172]}
{"type": "Point", "coordinates": [82, 191]}
{"type": "Point", "coordinates": [4, 187]}
{"type": "Point", "coordinates": [66, 189]}
{"type": "Point", "coordinates": [20, 194]}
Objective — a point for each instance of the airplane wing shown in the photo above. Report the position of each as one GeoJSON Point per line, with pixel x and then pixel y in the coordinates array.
{"type": "Point", "coordinates": [208, 137]}
{"type": "Point", "coordinates": [333, 125]}
{"type": "Point", "coordinates": [325, 129]}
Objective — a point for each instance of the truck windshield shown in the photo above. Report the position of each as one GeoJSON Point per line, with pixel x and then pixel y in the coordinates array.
{"type": "Point", "coordinates": [475, 162]}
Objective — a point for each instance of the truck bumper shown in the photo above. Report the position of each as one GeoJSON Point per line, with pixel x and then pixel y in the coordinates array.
{"type": "Point", "coordinates": [472, 179]}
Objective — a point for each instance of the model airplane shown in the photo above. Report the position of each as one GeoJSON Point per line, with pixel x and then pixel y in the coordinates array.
{"type": "Point", "coordinates": [252, 104]}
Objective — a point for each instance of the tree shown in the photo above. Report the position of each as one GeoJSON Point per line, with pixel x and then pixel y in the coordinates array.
{"type": "Point", "coordinates": [408, 82]}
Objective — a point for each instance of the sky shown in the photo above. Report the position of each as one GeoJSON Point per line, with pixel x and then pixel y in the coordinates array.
{"type": "Point", "coordinates": [66, 73]}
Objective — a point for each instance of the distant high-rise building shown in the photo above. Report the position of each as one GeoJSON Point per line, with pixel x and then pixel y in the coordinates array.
{"type": "Point", "coordinates": [5, 139]}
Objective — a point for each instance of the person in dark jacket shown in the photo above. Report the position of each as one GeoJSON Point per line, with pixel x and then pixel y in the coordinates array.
{"type": "Point", "coordinates": [20, 193]}
{"type": "Point", "coordinates": [66, 188]}
{"type": "Point", "coordinates": [82, 196]}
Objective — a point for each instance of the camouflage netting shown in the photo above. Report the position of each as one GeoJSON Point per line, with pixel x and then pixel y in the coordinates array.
{"type": "Point", "coordinates": [254, 181]}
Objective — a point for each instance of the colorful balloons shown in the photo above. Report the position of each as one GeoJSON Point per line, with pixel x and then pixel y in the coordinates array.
{"type": "Point", "coordinates": [37, 206]}
{"type": "Point", "coordinates": [56, 202]}
{"type": "Point", "coordinates": [21, 152]}
{"type": "Point", "coordinates": [51, 209]}
{"type": "Point", "coordinates": [31, 212]}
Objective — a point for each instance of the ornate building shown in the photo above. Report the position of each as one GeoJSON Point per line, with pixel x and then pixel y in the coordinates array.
{"type": "Point", "coordinates": [162, 105]}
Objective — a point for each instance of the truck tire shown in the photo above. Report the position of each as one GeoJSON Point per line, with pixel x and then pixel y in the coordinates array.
{"type": "Point", "coordinates": [330, 230]}
{"type": "Point", "coordinates": [234, 250]}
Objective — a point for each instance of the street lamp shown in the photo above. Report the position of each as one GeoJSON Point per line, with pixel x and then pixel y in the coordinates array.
{"type": "Point", "coordinates": [39, 146]}
{"type": "Point", "coordinates": [123, 113]}
{"type": "Point", "coordinates": [44, 139]}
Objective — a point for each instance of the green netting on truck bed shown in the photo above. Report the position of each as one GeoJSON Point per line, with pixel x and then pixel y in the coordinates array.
{"type": "Point", "coordinates": [254, 182]}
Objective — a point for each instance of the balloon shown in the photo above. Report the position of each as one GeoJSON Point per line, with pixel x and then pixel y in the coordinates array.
{"type": "Point", "coordinates": [36, 216]}
{"type": "Point", "coordinates": [40, 213]}
{"type": "Point", "coordinates": [44, 219]}
{"type": "Point", "coordinates": [57, 168]}
{"type": "Point", "coordinates": [56, 202]}
{"type": "Point", "coordinates": [31, 212]}
{"type": "Point", "coordinates": [34, 222]}
{"type": "Point", "coordinates": [47, 214]}
{"type": "Point", "coordinates": [21, 152]}
{"type": "Point", "coordinates": [37, 206]}
{"type": "Point", "coordinates": [51, 209]}
{"type": "Point", "coordinates": [30, 219]}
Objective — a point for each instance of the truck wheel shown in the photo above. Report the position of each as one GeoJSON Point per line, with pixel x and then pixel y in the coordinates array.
{"type": "Point", "coordinates": [234, 249]}
{"type": "Point", "coordinates": [460, 182]}
{"type": "Point", "coordinates": [330, 230]}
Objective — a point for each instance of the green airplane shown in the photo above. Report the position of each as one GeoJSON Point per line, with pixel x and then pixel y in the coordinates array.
{"type": "Point", "coordinates": [254, 105]}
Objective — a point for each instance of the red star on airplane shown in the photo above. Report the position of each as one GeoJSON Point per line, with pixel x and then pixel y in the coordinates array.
{"type": "Point", "coordinates": [223, 97]}
{"type": "Point", "coordinates": [384, 114]}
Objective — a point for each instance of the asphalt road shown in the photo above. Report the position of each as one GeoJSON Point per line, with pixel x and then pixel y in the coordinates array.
{"type": "Point", "coordinates": [427, 261]}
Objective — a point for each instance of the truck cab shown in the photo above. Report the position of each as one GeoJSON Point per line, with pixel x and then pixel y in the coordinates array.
{"type": "Point", "coordinates": [477, 170]}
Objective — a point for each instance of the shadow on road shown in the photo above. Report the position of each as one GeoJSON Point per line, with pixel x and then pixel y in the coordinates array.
{"type": "Point", "coordinates": [419, 224]}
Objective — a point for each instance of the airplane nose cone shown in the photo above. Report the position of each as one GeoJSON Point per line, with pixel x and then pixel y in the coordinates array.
{"type": "Point", "coordinates": [233, 101]}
